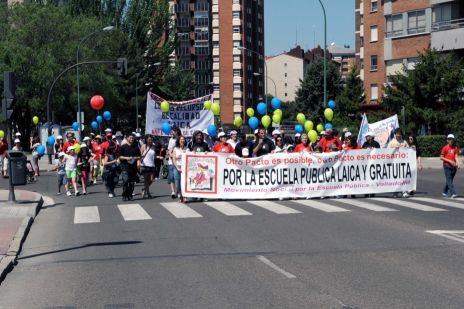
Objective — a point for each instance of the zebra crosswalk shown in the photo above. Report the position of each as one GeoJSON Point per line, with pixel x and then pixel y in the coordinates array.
{"type": "Point", "coordinates": [138, 212]}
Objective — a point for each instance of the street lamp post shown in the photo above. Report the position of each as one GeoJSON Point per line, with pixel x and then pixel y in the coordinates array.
{"type": "Point", "coordinates": [108, 28]}
{"type": "Point", "coordinates": [325, 56]}
{"type": "Point", "coordinates": [268, 77]}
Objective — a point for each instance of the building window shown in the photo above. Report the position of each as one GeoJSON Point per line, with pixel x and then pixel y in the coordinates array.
{"type": "Point", "coordinates": [374, 6]}
{"type": "Point", "coordinates": [236, 2]}
{"type": "Point", "coordinates": [361, 41]}
{"type": "Point", "coordinates": [394, 25]}
{"type": "Point", "coordinates": [285, 64]}
{"type": "Point", "coordinates": [374, 63]}
{"type": "Point", "coordinates": [374, 34]}
{"type": "Point", "coordinates": [201, 35]}
{"type": "Point", "coordinates": [237, 87]}
{"type": "Point", "coordinates": [416, 22]}
{"type": "Point", "coordinates": [237, 73]}
{"type": "Point", "coordinates": [285, 84]}
{"type": "Point", "coordinates": [235, 14]}
{"type": "Point", "coordinates": [374, 91]}
{"type": "Point", "coordinates": [236, 58]}
{"type": "Point", "coordinates": [285, 74]}
{"type": "Point", "coordinates": [236, 29]}
{"type": "Point", "coordinates": [286, 94]}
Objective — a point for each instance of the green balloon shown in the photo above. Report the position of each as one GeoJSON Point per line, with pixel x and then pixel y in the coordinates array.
{"type": "Point", "coordinates": [278, 112]}
{"type": "Point", "coordinates": [329, 114]}
{"type": "Point", "coordinates": [216, 109]}
{"type": "Point", "coordinates": [250, 112]}
{"type": "Point", "coordinates": [309, 125]}
{"type": "Point", "coordinates": [276, 118]}
{"type": "Point", "coordinates": [207, 105]}
{"type": "Point", "coordinates": [35, 120]}
{"type": "Point", "coordinates": [312, 135]}
{"type": "Point", "coordinates": [238, 121]}
{"type": "Point", "coordinates": [320, 127]}
{"type": "Point", "coordinates": [301, 118]}
{"type": "Point", "coordinates": [165, 106]}
{"type": "Point", "coordinates": [266, 121]}
{"type": "Point", "coordinates": [2, 134]}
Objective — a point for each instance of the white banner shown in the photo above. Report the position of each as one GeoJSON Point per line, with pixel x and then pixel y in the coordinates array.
{"type": "Point", "coordinates": [298, 175]}
{"type": "Point", "coordinates": [189, 116]}
{"type": "Point", "coordinates": [383, 130]}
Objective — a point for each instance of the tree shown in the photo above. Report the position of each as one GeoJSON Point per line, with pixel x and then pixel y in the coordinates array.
{"type": "Point", "coordinates": [431, 93]}
{"type": "Point", "coordinates": [310, 95]}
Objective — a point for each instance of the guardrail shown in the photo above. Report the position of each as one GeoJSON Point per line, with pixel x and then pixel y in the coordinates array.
{"type": "Point", "coordinates": [448, 24]}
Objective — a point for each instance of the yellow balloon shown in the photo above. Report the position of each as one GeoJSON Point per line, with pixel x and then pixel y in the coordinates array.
{"type": "Point", "coordinates": [278, 112]}
{"type": "Point", "coordinates": [77, 148]}
{"type": "Point", "coordinates": [312, 135]}
{"type": "Point", "coordinates": [238, 121]}
{"type": "Point", "coordinates": [276, 118]}
{"type": "Point", "coordinates": [207, 105]}
{"type": "Point", "coordinates": [35, 120]}
{"type": "Point", "coordinates": [250, 112]}
{"type": "Point", "coordinates": [329, 114]}
{"type": "Point", "coordinates": [320, 127]}
{"type": "Point", "coordinates": [309, 125]}
{"type": "Point", "coordinates": [216, 109]}
{"type": "Point", "coordinates": [266, 121]}
{"type": "Point", "coordinates": [2, 134]}
{"type": "Point", "coordinates": [301, 118]}
{"type": "Point", "coordinates": [165, 106]}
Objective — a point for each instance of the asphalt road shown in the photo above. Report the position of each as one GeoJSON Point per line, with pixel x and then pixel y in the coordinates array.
{"type": "Point", "coordinates": [346, 254]}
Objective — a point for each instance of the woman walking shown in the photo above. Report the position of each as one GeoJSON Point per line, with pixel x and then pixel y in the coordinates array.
{"type": "Point", "coordinates": [449, 156]}
{"type": "Point", "coordinates": [110, 165]}
{"type": "Point", "coordinates": [84, 164]}
{"type": "Point", "coordinates": [148, 165]}
{"type": "Point", "coordinates": [178, 152]}
{"type": "Point", "coordinates": [35, 155]}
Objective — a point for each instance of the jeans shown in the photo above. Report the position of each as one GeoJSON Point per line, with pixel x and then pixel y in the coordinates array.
{"type": "Point", "coordinates": [177, 181]}
{"type": "Point", "coordinates": [109, 177]}
{"type": "Point", "coordinates": [171, 169]}
{"type": "Point", "coordinates": [450, 172]}
{"type": "Point", "coordinates": [62, 180]}
{"type": "Point", "coordinates": [128, 176]}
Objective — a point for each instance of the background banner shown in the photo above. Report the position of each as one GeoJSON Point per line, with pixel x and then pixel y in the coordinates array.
{"type": "Point", "coordinates": [189, 116]}
{"type": "Point", "coordinates": [290, 175]}
{"type": "Point", "coordinates": [384, 130]}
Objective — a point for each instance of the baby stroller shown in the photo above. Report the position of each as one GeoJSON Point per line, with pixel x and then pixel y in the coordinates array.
{"type": "Point", "coordinates": [30, 174]}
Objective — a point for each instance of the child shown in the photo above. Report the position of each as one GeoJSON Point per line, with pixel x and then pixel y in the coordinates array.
{"type": "Point", "coordinates": [60, 171]}
{"type": "Point", "coordinates": [70, 161]}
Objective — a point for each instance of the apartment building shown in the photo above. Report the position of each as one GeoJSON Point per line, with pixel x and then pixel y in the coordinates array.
{"type": "Point", "coordinates": [390, 33]}
{"type": "Point", "coordinates": [344, 57]}
{"type": "Point", "coordinates": [223, 42]}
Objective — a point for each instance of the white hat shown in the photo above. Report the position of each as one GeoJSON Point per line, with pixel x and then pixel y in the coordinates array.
{"type": "Point", "coordinates": [83, 145]}
{"type": "Point", "coordinates": [297, 135]}
{"type": "Point", "coordinates": [276, 132]}
{"type": "Point", "coordinates": [18, 134]}
{"type": "Point", "coordinates": [348, 134]}
{"type": "Point", "coordinates": [17, 141]}
{"type": "Point", "coordinates": [137, 135]}
{"type": "Point", "coordinates": [233, 132]}
{"type": "Point", "coordinates": [256, 131]}
{"type": "Point", "coordinates": [70, 148]}
{"type": "Point", "coordinates": [370, 133]}
{"type": "Point", "coordinates": [86, 138]}
{"type": "Point", "coordinates": [59, 137]}
{"type": "Point", "coordinates": [108, 130]}
{"type": "Point", "coordinates": [61, 154]}
{"type": "Point", "coordinates": [205, 132]}
{"type": "Point", "coordinates": [221, 134]}
{"type": "Point", "coordinates": [114, 137]}
{"type": "Point", "coordinates": [322, 132]}
{"type": "Point", "coordinates": [451, 136]}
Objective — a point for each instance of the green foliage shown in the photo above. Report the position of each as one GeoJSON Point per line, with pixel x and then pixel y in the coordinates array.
{"type": "Point", "coordinates": [431, 145]}
{"type": "Point", "coordinates": [310, 95]}
{"type": "Point", "coordinates": [431, 93]}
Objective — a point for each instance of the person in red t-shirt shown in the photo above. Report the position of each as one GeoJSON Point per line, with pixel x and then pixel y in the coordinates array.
{"type": "Point", "coordinates": [350, 142]}
{"type": "Point", "coordinates": [97, 157]}
{"type": "Point", "coordinates": [70, 142]}
{"type": "Point", "coordinates": [107, 143]}
{"type": "Point", "coordinates": [223, 146]}
{"type": "Point", "coordinates": [329, 142]}
{"type": "Point", "coordinates": [3, 161]}
{"type": "Point", "coordinates": [449, 156]}
{"type": "Point", "coordinates": [304, 146]}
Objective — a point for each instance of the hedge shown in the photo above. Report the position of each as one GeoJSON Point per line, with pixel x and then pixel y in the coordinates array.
{"type": "Point", "coordinates": [431, 145]}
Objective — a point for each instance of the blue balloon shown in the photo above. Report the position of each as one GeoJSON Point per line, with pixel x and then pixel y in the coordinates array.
{"type": "Point", "coordinates": [107, 115]}
{"type": "Point", "coordinates": [262, 108]}
{"type": "Point", "coordinates": [332, 104]}
{"type": "Point", "coordinates": [166, 128]}
{"type": "Point", "coordinates": [299, 128]}
{"type": "Point", "coordinates": [212, 130]}
{"type": "Point", "coordinates": [276, 103]}
{"type": "Point", "coordinates": [253, 122]}
{"type": "Point", "coordinates": [328, 125]}
{"type": "Point", "coordinates": [51, 140]}
{"type": "Point", "coordinates": [99, 119]}
{"type": "Point", "coordinates": [76, 126]}
{"type": "Point", "coordinates": [40, 150]}
{"type": "Point", "coordinates": [94, 125]}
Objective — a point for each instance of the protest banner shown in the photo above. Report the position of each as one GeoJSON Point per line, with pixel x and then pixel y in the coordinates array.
{"type": "Point", "coordinates": [189, 116]}
{"type": "Point", "coordinates": [298, 175]}
{"type": "Point", "coordinates": [383, 130]}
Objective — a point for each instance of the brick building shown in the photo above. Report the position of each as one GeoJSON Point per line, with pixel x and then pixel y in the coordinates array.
{"type": "Point", "coordinates": [209, 33]}
{"type": "Point", "coordinates": [390, 33]}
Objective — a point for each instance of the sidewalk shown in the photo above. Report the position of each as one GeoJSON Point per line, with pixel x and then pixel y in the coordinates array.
{"type": "Point", "coordinates": [15, 222]}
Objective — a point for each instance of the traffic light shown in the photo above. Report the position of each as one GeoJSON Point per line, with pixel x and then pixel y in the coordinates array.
{"type": "Point", "coordinates": [122, 66]}
{"type": "Point", "coordinates": [9, 95]}
{"type": "Point", "coordinates": [7, 109]}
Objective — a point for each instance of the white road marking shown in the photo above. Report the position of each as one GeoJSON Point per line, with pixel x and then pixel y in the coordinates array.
{"type": "Point", "coordinates": [275, 267]}
{"type": "Point", "coordinates": [321, 206]}
{"type": "Point", "coordinates": [408, 204]}
{"type": "Point", "coordinates": [442, 202]}
{"type": "Point", "coordinates": [180, 210]}
{"type": "Point", "coordinates": [133, 212]}
{"type": "Point", "coordinates": [457, 235]}
{"type": "Point", "coordinates": [87, 214]}
{"type": "Point", "coordinates": [228, 209]}
{"type": "Point", "coordinates": [274, 207]}
{"type": "Point", "coordinates": [365, 205]}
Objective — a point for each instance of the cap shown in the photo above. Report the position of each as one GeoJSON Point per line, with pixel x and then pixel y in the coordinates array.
{"type": "Point", "coordinates": [450, 136]}
{"type": "Point", "coordinates": [221, 134]}
{"type": "Point", "coordinates": [86, 139]}
{"type": "Point", "coordinates": [83, 145]}
{"type": "Point", "coordinates": [137, 135]}
{"type": "Point", "coordinates": [370, 133]}
{"type": "Point", "coordinates": [61, 154]}
{"type": "Point", "coordinates": [18, 134]}
{"type": "Point", "coordinates": [348, 134]}
{"type": "Point", "coordinates": [70, 148]}
{"type": "Point", "coordinates": [59, 137]}
{"type": "Point", "coordinates": [114, 136]}
{"type": "Point", "coordinates": [322, 132]}
{"type": "Point", "coordinates": [92, 134]}
{"type": "Point", "coordinates": [276, 132]}
{"type": "Point", "coordinates": [108, 134]}
{"type": "Point", "coordinates": [256, 131]}
{"type": "Point", "coordinates": [108, 130]}
{"type": "Point", "coordinates": [205, 132]}
{"type": "Point", "coordinates": [233, 132]}
{"type": "Point", "coordinates": [98, 136]}
{"type": "Point", "coordinates": [297, 135]}
{"type": "Point", "coordinates": [16, 141]}
{"type": "Point", "coordinates": [119, 134]}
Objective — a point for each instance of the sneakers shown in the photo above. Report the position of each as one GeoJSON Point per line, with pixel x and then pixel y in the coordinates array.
{"type": "Point", "coordinates": [444, 195]}
{"type": "Point", "coordinates": [77, 193]}
{"type": "Point", "coordinates": [405, 194]}
{"type": "Point", "coordinates": [68, 193]}
{"type": "Point", "coordinates": [110, 195]}
{"type": "Point", "coordinates": [173, 195]}
{"type": "Point", "coordinates": [454, 196]}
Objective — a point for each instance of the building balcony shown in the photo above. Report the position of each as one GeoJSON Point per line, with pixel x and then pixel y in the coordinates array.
{"type": "Point", "coordinates": [236, 22]}
{"type": "Point", "coordinates": [236, 8]}
{"type": "Point", "coordinates": [237, 36]}
{"type": "Point", "coordinates": [237, 66]}
{"type": "Point", "coordinates": [237, 52]}
{"type": "Point", "coordinates": [448, 34]}
{"type": "Point", "coordinates": [215, 51]}
{"type": "Point", "coordinates": [237, 80]}
{"type": "Point", "coordinates": [237, 94]}
{"type": "Point", "coordinates": [215, 9]}
{"type": "Point", "coordinates": [216, 66]}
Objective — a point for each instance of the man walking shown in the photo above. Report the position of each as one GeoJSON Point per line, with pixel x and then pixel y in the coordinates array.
{"type": "Point", "coordinates": [129, 155]}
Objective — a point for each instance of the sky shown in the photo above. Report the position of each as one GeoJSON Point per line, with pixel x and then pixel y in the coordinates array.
{"type": "Point", "coordinates": [292, 22]}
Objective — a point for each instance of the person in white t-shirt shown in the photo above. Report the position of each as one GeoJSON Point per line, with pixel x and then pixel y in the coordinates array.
{"type": "Point", "coordinates": [175, 133]}
{"type": "Point", "coordinates": [70, 166]}
{"type": "Point", "coordinates": [233, 140]}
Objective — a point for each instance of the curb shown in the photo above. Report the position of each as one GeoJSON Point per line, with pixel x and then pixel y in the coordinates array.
{"type": "Point", "coordinates": [8, 261]}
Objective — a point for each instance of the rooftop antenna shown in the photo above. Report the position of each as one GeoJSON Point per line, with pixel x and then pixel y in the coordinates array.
{"type": "Point", "coordinates": [296, 35]}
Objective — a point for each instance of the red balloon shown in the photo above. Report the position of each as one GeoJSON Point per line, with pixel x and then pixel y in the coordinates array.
{"type": "Point", "coordinates": [97, 102]}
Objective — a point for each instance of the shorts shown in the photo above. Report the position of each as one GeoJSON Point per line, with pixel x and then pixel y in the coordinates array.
{"type": "Point", "coordinates": [171, 172]}
{"type": "Point", "coordinates": [71, 174]}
